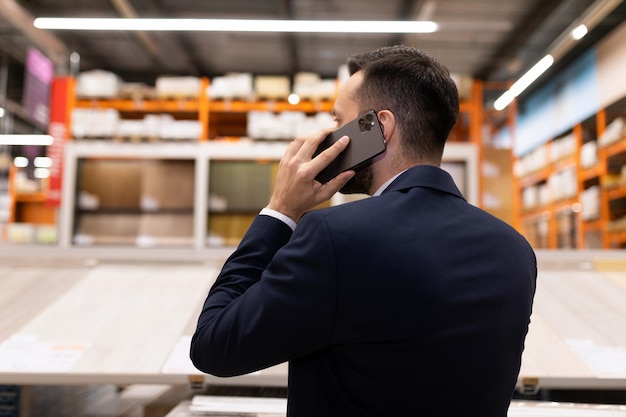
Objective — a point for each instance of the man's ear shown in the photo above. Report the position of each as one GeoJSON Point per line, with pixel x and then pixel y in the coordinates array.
{"type": "Point", "coordinates": [387, 123]}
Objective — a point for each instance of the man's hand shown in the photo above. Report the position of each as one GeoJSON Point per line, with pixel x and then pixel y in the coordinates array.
{"type": "Point", "coordinates": [296, 189]}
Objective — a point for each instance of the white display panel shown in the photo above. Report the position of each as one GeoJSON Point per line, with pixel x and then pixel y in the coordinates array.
{"type": "Point", "coordinates": [460, 159]}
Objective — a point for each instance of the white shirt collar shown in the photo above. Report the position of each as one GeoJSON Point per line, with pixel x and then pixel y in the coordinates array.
{"type": "Point", "coordinates": [386, 184]}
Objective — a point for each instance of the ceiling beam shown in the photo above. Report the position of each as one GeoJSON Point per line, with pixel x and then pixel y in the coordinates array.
{"type": "Point", "coordinates": [600, 18]}
{"type": "Point", "coordinates": [285, 11]}
{"type": "Point", "coordinates": [194, 65]}
{"type": "Point", "coordinates": [12, 50]}
{"type": "Point", "coordinates": [520, 35]}
{"type": "Point", "coordinates": [407, 10]}
{"type": "Point", "coordinates": [126, 10]}
{"type": "Point", "coordinates": [44, 40]}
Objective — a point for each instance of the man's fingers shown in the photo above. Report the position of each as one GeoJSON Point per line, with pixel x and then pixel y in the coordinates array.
{"type": "Point", "coordinates": [325, 158]}
{"type": "Point", "coordinates": [296, 190]}
{"type": "Point", "coordinates": [334, 185]}
{"type": "Point", "coordinates": [303, 147]}
{"type": "Point", "coordinates": [294, 147]}
{"type": "Point", "coordinates": [312, 142]}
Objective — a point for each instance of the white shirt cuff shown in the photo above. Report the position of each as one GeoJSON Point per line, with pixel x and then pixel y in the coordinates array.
{"type": "Point", "coordinates": [280, 216]}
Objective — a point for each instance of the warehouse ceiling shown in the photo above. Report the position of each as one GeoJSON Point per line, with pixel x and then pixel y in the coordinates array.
{"type": "Point", "coordinates": [494, 40]}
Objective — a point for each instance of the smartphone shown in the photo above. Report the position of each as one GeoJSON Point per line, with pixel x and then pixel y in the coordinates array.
{"type": "Point", "coordinates": [366, 141]}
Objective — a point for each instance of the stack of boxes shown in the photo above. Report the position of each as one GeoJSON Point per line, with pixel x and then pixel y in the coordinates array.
{"type": "Point", "coordinates": [146, 203]}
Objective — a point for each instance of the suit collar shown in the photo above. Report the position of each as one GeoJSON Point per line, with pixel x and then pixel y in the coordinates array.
{"type": "Point", "coordinates": [426, 176]}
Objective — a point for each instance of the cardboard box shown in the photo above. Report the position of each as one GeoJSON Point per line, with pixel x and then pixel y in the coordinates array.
{"type": "Point", "coordinates": [116, 183]}
{"type": "Point", "coordinates": [92, 228]}
{"type": "Point", "coordinates": [161, 227]}
{"type": "Point", "coordinates": [167, 184]}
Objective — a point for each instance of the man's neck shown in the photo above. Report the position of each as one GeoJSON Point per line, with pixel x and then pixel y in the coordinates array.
{"type": "Point", "coordinates": [386, 184]}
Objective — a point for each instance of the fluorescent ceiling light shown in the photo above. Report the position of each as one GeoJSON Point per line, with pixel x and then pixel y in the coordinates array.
{"type": "Point", "coordinates": [41, 173]}
{"type": "Point", "coordinates": [579, 32]}
{"type": "Point", "coordinates": [43, 162]}
{"type": "Point", "coordinates": [22, 140]}
{"type": "Point", "coordinates": [566, 40]}
{"type": "Point", "coordinates": [236, 25]}
{"type": "Point", "coordinates": [20, 162]}
{"type": "Point", "coordinates": [532, 74]}
{"type": "Point", "coordinates": [504, 100]}
{"type": "Point", "coordinates": [2, 111]}
{"type": "Point", "coordinates": [520, 85]}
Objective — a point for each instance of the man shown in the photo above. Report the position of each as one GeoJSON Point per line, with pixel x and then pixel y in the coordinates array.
{"type": "Point", "coordinates": [410, 303]}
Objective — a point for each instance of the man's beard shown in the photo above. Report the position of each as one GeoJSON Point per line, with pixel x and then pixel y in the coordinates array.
{"type": "Point", "coordinates": [361, 182]}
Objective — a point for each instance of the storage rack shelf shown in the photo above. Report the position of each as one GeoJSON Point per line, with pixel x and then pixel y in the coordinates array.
{"type": "Point", "coordinates": [223, 124]}
{"type": "Point", "coordinates": [596, 221]}
{"type": "Point", "coordinates": [274, 106]}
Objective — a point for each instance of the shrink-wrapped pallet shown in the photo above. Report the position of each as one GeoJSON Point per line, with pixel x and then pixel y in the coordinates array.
{"type": "Point", "coordinates": [305, 83]}
{"type": "Point", "coordinates": [130, 129]}
{"type": "Point", "coordinates": [545, 194]}
{"type": "Point", "coordinates": [150, 127]}
{"type": "Point", "coordinates": [180, 130]}
{"type": "Point", "coordinates": [590, 202]}
{"type": "Point", "coordinates": [615, 131]}
{"type": "Point", "coordinates": [178, 87]}
{"type": "Point", "coordinates": [563, 147]}
{"type": "Point", "coordinates": [326, 90]}
{"type": "Point", "coordinates": [269, 126]}
{"type": "Point", "coordinates": [232, 86]}
{"type": "Point", "coordinates": [530, 197]}
{"type": "Point", "coordinates": [286, 125]}
{"type": "Point", "coordinates": [589, 154]}
{"type": "Point", "coordinates": [312, 124]}
{"type": "Point", "coordinates": [309, 86]}
{"type": "Point", "coordinates": [261, 125]}
{"type": "Point", "coordinates": [152, 124]}
{"type": "Point", "coordinates": [94, 123]}
{"type": "Point", "coordinates": [272, 87]}
{"type": "Point", "coordinates": [97, 84]}
{"type": "Point", "coordinates": [137, 91]}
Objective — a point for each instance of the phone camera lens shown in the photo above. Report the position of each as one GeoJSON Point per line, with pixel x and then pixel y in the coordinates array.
{"type": "Point", "coordinates": [366, 123]}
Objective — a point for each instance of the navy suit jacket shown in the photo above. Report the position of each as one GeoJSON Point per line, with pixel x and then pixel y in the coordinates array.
{"type": "Point", "coordinates": [412, 303]}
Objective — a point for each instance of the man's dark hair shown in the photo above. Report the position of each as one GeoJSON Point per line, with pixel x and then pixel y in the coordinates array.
{"type": "Point", "coordinates": [417, 89]}
{"type": "Point", "coordinates": [356, 62]}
